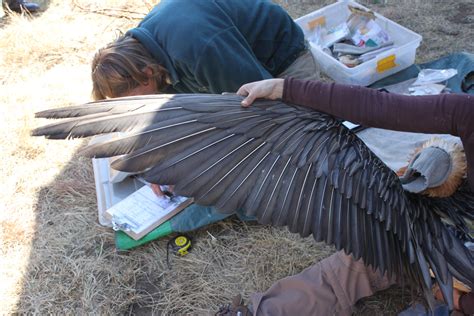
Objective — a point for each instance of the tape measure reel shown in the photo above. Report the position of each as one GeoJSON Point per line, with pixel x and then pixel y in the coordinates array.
{"type": "Point", "coordinates": [180, 245]}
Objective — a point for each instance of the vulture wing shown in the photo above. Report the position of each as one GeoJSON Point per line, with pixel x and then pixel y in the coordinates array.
{"type": "Point", "coordinates": [286, 165]}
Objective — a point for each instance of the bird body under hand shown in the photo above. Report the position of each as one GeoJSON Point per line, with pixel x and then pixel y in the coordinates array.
{"type": "Point", "coordinates": [286, 165]}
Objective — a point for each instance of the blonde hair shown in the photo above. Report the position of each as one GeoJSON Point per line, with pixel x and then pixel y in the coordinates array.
{"type": "Point", "coordinates": [120, 66]}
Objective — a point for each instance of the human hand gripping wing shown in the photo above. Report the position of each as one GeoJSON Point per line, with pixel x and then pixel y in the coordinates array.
{"type": "Point", "coordinates": [286, 165]}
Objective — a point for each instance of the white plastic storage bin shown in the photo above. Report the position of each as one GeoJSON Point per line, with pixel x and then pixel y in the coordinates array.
{"type": "Point", "coordinates": [401, 56]}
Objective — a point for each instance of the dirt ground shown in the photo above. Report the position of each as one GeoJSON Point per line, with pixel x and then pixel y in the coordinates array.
{"type": "Point", "coordinates": [54, 256]}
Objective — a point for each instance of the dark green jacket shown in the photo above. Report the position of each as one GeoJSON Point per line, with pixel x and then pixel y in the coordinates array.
{"type": "Point", "coordinates": [213, 46]}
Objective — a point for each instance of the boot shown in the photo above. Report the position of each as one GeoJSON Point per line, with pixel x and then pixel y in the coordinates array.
{"type": "Point", "coordinates": [20, 5]}
{"type": "Point", "coordinates": [237, 308]}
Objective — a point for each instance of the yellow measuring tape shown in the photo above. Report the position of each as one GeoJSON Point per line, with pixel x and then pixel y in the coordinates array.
{"type": "Point", "coordinates": [180, 245]}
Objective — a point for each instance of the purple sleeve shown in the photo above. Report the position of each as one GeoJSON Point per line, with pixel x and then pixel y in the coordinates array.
{"type": "Point", "coordinates": [440, 114]}
{"type": "Point", "coordinates": [466, 303]}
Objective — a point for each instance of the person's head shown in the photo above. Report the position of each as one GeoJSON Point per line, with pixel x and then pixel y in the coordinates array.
{"type": "Point", "coordinates": [124, 67]}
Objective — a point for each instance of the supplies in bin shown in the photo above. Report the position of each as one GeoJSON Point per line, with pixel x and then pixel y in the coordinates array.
{"type": "Point", "coordinates": [354, 41]}
{"type": "Point", "coordinates": [364, 31]}
{"type": "Point", "coordinates": [325, 37]}
{"type": "Point", "coordinates": [369, 66]}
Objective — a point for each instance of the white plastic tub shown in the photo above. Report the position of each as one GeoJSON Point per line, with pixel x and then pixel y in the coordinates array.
{"type": "Point", "coordinates": [401, 56]}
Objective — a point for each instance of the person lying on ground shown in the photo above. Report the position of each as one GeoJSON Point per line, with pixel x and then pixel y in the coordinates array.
{"type": "Point", "coordinates": [202, 47]}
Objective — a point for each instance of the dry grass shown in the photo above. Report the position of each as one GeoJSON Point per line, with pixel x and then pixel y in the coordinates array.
{"type": "Point", "coordinates": [55, 258]}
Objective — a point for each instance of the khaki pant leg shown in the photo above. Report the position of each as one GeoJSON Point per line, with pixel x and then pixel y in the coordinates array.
{"type": "Point", "coordinates": [304, 67]}
{"type": "Point", "coordinates": [329, 287]}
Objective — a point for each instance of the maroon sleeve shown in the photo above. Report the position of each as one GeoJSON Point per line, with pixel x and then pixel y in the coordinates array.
{"type": "Point", "coordinates": [466, 303]}
{"type": "Point", "coordinates": [440, 114]}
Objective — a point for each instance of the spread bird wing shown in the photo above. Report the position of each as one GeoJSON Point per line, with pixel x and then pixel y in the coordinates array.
{"type": "Point", "coordinates": [286, 165]}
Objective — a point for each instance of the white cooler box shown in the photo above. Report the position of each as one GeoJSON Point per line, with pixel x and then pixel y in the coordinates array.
{"type": "Point", "coordinates": [111, 186]}
{"type": "Point", "coordinates": [401, 56]}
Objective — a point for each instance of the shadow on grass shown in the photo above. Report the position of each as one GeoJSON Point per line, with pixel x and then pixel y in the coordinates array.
{"type": "Point", "coordinates": [73, 265]}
